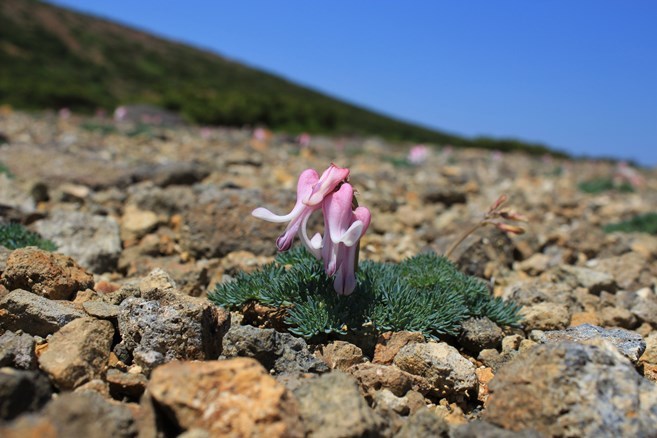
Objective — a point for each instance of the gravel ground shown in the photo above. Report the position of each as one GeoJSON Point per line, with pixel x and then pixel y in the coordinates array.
{"type": "Point", "coordinates": [112, 335]}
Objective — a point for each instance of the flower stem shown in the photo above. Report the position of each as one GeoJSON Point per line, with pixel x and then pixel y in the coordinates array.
{"type": "Point", "coordinates": [462, 238]}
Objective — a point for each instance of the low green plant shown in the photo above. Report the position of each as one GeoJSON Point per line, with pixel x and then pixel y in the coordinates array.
{"type": "Point", "coordinates": [643, 223]}
{"type": "Point", "coordinates": [599, 185]}
{"type": "Point", "coordinates": [99, 127]}
{"type": "Point", "coordinates": [425, 293]}
{"type": "Point", "coordinates": [14, 236]}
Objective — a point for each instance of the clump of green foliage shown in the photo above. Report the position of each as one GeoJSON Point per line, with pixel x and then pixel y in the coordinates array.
{"type": "Point", "coordinates": [643, 223]}
{"type": "Point", "coordinates": [14, 236]}
{"type": "Point", "coordinates": [425, 293]}
{"type": "Point", "coordinates": [599, 185]}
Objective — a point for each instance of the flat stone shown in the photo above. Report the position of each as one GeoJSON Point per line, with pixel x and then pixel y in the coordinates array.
{"type": "Point", "coordinates": [630, 344]}
{"type": "Point", "coordinates": [594, 281]}
{"type": "Point", "coordinates": [235, 397]}
{"type": "Point", "coordinates": [78, 352]}
{"type": "Point", "coordinates": [130, 385]}
{"type": "Point", "coordinates": [449, 373]}
{"type": "Point", "coordinates": [101, 310]}
{"type": "Point", "coordinates": [34, 314]}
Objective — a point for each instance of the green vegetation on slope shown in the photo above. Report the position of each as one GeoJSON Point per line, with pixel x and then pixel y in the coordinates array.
{"type": "Point", "coordinates": [52, 58]}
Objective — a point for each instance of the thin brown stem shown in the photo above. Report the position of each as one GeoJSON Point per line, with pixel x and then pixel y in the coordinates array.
{"type": "Point", "coordinates": [463, 237]}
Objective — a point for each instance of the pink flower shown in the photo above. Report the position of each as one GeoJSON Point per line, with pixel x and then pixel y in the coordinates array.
{"type": "Point", "coordinates": [311, 191]}
{"type": "Point", "coordinates": [344, 228]}
{"type": "Point", "coordinates": [418, 154]}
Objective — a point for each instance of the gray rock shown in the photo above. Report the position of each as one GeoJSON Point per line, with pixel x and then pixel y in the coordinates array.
{"type": "Point", "coordinates": [482, 429]}
{"type": "Point", "coordinates": [88, 414]}
{"type": "Point", "coordinates": [594, 281]}
{"type": "Point", "coordinates": [480, 333]}
{"type": "Point", "coordinates": [22, 391]}
{"type": "Point", "coordinates": [17, 350]}
{"type": "Point", "coordinates": [280, 352]}
{"type": "Point", "coordinates": [77, 353]}
{"type": "Point", "coordinates": [101, 310]}
{"type": "Point", "coordinates": [174, 326]}
{"type": "Point", "coordinates": [34, 314]}
{"type": "Point", "coordinates": [331, 406]}
{"type": "Point", "coordinates": [569, 389]}
{"type": "Point", "coordinates": [630, 344]}
{"type": "Point", "coordinates": [92, 240]}
{"type": "Point", "coordinates": [385, 400]}
{"type": "Point", "coordinates": [645, 308]}
{"type": "Point", "coordinates": [424, 423]}
{"type": "Point", "coordinates": [450, 374]}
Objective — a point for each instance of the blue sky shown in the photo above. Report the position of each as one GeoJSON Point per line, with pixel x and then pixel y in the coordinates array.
{"type": "Point", "coordinates": [578, 75]}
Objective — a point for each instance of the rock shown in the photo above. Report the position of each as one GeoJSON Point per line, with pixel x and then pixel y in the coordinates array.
{"type": "Point", "coordinates": [650, 353]}
{"type": "Point", "coordinates": [341, 355]}
{"type": "Point", "coordinates": [331, 405]}
{"type": "Point", "coordinates": [568, 389]}
{"type": "Point", "coordinates": [101, 310]}
{"type": "Point", "coordinates": [631, 271]}
{"type": "Point", "coordinates": [223, 224]}
{"type": "Point", "coordinates": [191, 278]}
{"type": "Point", "coordinates": [22, 391]}
{"type": "Point", "coordinates": [480, 333]}
{"type": "Point", "coordinates": [279, 352]}
{"type": "Point", "coordinates": [167, 325]}
{"type": "Point", "coordinates": [617, 317]}
{"type": "Point", "coordinates": [483, 429]}
{"type": "Point", "coordinates": [136, 223]}
{"type": "Point", "coordinates": [449, 373]}
{"type": "Point", "coordinates": [545, 316]}
{"type": "Point", "coordinates": [389, 344]}
{"type": "Point", "coordinates": [92, 240]}
{"type": "Point", "coordinates": [33, 314]}
{"type": "Point", "coordinates": [536, 264]}
{"type": "Point", "coordinates": [494, 359]}
{"type": "Point", "coordinates": [645, 308]}
{"type": "Point", "coordinates": [174, 173]}
{"type": "Point", "coordinates": [593, 280]}
{"type": "Point", "coordinates": [88, 414]}
{"type": "Point", "coordinates": [630, 344]}
{"type": "Point", "coordinates": [95, 385]}
{"type": "Point", "coordinates": [488, 246]}
{"type": "Point", "coordinates": [17, 351]}
{"type": "Point", "coordinates": [78, 352]}
{"type": "Point", "coordinates": [447, 195]}
{"type": "Point", "coordinates": [511, 342]}
{"type": "Point", "coordinates": [424, 423]}
{"type": "Point", "coordinates": [373, 377]}
{"type": "Point", "coordinates": [235, 397]}
{"type": "Point", "coordinates": [28, 426]}
{"type": "Point", "coordinates": [387, 401]}
{"type": "Point", "coordinates": [130, 385]}
{"type": "Point", "coordinates": [51, 275]}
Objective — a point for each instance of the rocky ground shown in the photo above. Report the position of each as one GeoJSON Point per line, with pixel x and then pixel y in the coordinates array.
{"type": "Point", "coordinates": [112, 334]}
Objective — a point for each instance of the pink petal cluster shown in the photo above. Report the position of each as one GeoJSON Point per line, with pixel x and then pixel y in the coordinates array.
{"type": "Point", "coordinates": [344, 225]}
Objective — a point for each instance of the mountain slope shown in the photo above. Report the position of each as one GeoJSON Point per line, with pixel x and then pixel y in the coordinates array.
{"type": "Point", "coordinates": [52, 57]}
